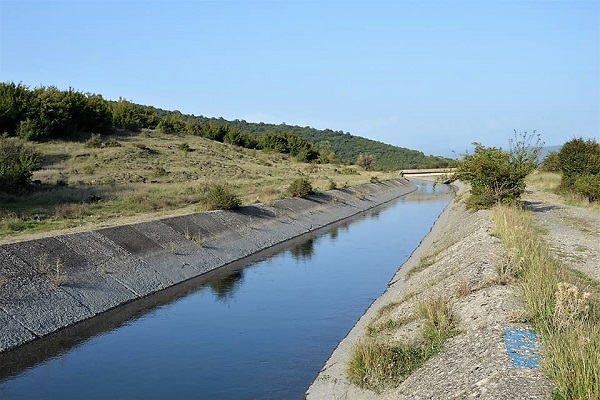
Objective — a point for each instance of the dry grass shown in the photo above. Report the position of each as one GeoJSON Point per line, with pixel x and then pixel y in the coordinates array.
{"type": "Point", "coordinates": [565, 316]}
{"type": "Point", "coordinates": [544, 181]}
{"type": "Point", "coordinates": [149, 177]}
{"type": "Point", "coordinates": [376, 364]}
{"type": "Point", "coordinates": [549, 182]}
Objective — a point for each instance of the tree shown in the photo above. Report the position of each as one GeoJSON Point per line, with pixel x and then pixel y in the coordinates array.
{"type": "Point", "coordinates": [498, 176]}
{"type": "Point", "coordinates": [367, 161]}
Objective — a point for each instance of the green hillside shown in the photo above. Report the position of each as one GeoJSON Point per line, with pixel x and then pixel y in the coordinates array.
{"type": "Point", "coordinates": [49, 113]}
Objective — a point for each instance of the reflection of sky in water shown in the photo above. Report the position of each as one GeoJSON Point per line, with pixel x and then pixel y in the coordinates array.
{"type": "Point", "coordinates": [261, 332]}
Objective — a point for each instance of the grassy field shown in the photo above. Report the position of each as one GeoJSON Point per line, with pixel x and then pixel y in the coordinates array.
{"type": "Point", "coordinates": [549, 182]}
{"type": "Point", "coordinates": [151, 175]}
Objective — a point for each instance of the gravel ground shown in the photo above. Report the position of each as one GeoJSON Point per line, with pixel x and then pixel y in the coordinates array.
{"type": "Point", "coordinates": [572, 232]}
{"type": "Point", "coordinates": [464, 260]}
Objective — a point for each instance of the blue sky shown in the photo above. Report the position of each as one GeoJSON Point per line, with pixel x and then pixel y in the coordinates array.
{"type": "Point", "coordinates": [429, 75]}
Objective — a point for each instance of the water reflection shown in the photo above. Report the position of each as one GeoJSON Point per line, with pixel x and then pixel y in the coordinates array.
{"type": "Point", "coordinates": [336, 229]}
{"type": "Point", "coordinates": [224, 288]}
{"type": "Point", "coordinates": [303, 251]}
{"type": "Point", "coordinates": [234, 333]}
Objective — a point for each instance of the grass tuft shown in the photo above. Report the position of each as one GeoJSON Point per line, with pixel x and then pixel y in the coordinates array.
{"type": "Point", "coordinates": [376, 365]}
{"type": "Point", "coordinates": [564, 316]}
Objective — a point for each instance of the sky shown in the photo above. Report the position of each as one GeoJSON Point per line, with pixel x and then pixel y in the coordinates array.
{"type": "Point", "coordinates": [434, 76]}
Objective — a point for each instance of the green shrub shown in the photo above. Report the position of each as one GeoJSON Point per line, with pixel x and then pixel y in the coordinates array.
{"type": "Point", "coordinates": [185, 147]}
{"type": "Point", "coordinates": [18, 160]}
{"type": "Point", "coordinates": [588, 186]}
{"type": "Point", "coordinates": [112, 143]}
{"type": "Point", "coordinates": [300, 187]}
{"type": "Point", "coordinates": [498, 176]}
{"type": "Point", "coordinates": [580, 165]}
{"type": "Point", "coordinates": [551, 162]}
{"type": "Point", "coordinates": [367, 161]}
{"type": "Point", "coordinates": [221, 197]}
{"type": "Point", "coordinates": [95, 141]}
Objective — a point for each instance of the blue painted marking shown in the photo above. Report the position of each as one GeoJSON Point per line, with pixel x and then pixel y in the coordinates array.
{"type": "Point", "coordinates": [523, 347]}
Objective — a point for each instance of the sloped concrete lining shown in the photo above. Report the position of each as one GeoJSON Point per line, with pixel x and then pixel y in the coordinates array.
{"type": "Point", "coordinates": [51, 283]}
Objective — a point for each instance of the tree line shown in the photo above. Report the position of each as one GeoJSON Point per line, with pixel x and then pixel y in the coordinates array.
{"type": "Point", "coordinates": [49, 113]}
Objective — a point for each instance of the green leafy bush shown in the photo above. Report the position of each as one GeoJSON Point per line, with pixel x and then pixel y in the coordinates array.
{"type": "Point", "coordinates": [580, 165]}
{"type": "Point", "coordinates": [18, 160]}
{"type": "Point", "coordinates": [588, 186]}
{"type": "Point", "coordinates": [95, 141]}
{"type": "Point", "coordinates": [300, 187]}
{"type": "Point", "coordinates": [498, 176]}
{"type": "Point", "coordinates": [551, 162]}
{"type": "Point", "coordinates": [221, 197]}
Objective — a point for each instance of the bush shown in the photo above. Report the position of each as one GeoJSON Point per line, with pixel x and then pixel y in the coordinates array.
{"type": "Point", "coordinates": [367, 161]}
{"type": "Point", "coordinates": [580, 165]}
{"type": "Point", "coordinates": [588, 186]}
{"type": "Point", "coordinates": [221, 197]}
{"type": "Point", "coordinates": [498, 176]}
{"type": "Point", "coordinates": [551, 162]}
{"type": "Point", "coordinates": [300, 188]}
{"type": "Point", "coordinates": [18, 160]}
{"type": "Point", "coordinates": [94, 142]}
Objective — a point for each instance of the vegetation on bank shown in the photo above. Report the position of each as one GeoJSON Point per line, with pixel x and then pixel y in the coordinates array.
{"type": "Point", "coordinates": [49, 113]}
{"type": "Point", "coordinates": [578, 163]}
{"type": "Point", "coordinates": [498, 176]}
{"type": "Point", "coordinates": [561, 305]}
{"type": "Point", "coordinates": [149, 175]}
{"type": "Point", "coordinates": [375, 364]}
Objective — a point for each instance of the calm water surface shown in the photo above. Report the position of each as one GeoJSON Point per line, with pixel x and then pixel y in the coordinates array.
{"type": "Point", "coordinates": [262, 331]}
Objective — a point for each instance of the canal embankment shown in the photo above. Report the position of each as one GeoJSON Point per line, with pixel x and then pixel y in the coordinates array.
{"type": "Point", "coordinates": [51, 283]}
{"type": "Point", "coordinates": [492, 353]}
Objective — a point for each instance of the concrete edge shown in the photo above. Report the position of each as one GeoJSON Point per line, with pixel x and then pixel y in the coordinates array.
{"type": "Point", "coordinates": [334, 367]}
{"type": "Point", "coordinates": [52, 283]}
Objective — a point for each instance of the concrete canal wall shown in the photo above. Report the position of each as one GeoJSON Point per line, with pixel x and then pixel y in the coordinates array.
{"type": "Point", "coordinates": [55, 282]}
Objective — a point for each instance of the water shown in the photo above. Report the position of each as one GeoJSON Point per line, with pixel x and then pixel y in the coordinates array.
{"type": "Point", "coordinates": [260, 331]}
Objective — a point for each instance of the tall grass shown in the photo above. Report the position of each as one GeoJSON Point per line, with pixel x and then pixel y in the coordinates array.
{"type": "Point", "coordinates": [560, 312]}
{"type": "Point", "coordinates": [375, 365]}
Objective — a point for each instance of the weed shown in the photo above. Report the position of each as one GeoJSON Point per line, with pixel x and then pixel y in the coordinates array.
{"type": "Point", "coordinates": [374, 179]}
{"type": "Point", "coordinates": [571, 306]}
{"type": "Point", "coordinates": [440, 322]}
{"type": "Point", "coordinates": [376, 365]}
{"type": "Point", "coordinates": [359, 194]}
{"type": "Point", "coordinates": [332, 184]}
{"type": "Point", "coordinates": [95, 141]}
{"type": "Point", "coordinates": [464, 289]}
{"type": "Point", "coordinates": [185, 147]}
{"type": "Point", "coordinates": [565, 318]}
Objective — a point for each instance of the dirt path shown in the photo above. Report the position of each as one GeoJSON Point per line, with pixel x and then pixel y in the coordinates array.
{"type": "Point", "coordinates": [573, 233]}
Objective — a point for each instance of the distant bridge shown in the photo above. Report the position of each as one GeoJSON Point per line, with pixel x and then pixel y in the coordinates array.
{"type": "Point", "coordinates": [431, 171]}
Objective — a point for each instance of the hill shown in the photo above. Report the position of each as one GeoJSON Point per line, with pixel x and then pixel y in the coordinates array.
{"type": "Point", "coordinates": [49, 113]}
{"type": "Point", "coordinates": [130, 177]}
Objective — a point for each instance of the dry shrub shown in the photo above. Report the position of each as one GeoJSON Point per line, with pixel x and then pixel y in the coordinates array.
{"type": "Point", "coordinates": [72, 210]}
{"type": "Point", "coordinates": [571, 306]}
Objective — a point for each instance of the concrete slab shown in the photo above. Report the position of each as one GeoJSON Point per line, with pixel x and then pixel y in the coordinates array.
{"type": "Point", "coordinates": [12, 333]}
{"type": "Point", "coordinates": [30, 298]}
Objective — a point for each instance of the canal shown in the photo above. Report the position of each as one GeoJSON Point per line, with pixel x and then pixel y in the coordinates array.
{"type": "Point", "coordinates": [257, 330]}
